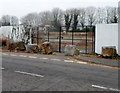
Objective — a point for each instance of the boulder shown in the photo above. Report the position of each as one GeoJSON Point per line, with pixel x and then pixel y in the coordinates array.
{"type": "Point", "coordinates": [71, 50]}
{"type": "Point", "coordinates": [109, 51]}
{"type": "Point", "coordinates": [32, 48]}
{"type": "Point", "coordinates": [46, 48]}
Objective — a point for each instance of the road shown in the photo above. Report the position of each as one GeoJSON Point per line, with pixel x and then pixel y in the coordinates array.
{"type": "Point", "coordinates": [32, 72]}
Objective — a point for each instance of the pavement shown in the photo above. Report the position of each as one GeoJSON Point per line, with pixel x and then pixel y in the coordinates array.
{"type": "Point", "coordinates": [35, 72]}
{"type": "Point", "coordinates": [102, 61]}
{"type": "Point", "coordinates": [95, 60]}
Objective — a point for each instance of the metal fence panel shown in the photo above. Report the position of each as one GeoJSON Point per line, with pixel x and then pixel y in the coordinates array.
{"type": "Point", "coordinates": [83, 38]}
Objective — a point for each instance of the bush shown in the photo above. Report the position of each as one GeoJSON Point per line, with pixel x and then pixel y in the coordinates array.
{"type": "Point", "coordinates": [17, 45]}
{"type": "Point", "coordinates": [3, 42]}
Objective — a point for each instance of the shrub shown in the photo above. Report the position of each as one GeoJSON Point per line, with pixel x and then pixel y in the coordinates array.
{"type": "Point", "coordinates": [17, 45]}
{"type": "Point", "coordinates": [3, 42]}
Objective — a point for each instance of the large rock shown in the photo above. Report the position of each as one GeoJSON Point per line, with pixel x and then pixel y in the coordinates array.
{"type": "Point", "coordinates": [46, 48]}
{"type": "Point", "coordinates": [71, 50]}
{"type": "Point", "coordinates": [32, 48]}
{"type": "Point", "coordinates": [109, 51]}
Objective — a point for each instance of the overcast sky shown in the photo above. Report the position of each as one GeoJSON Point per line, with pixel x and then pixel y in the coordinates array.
{"type": "Point", "coordinates": [20, 8]}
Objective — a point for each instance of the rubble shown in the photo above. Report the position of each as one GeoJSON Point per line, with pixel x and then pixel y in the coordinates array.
{"type": "Point", "coordinates": [32, 48]}
{"type": "Point", "coordinates": [45, 48]}
{"type": "Point", "coordinates": [71, 50]}
{"type": "Point", "coordinates": [109, 51]}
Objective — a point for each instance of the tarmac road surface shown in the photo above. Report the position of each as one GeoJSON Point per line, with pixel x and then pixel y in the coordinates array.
{"type": "Point", "coordinates": [32, 72]}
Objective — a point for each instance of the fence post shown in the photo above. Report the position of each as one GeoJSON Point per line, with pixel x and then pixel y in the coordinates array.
{"type": "Point", "coordinates": [60, 38]}
{"type": "Point", "coordinates": [94, 38]}
{"type": "Point", "coordinates": [72, 36]}
{"type": "Point", "coordinates": [86, 41]}
{"type": "Point", "coordinates": [30, 34]}
{"type": "Point", "coordinates": [37, 35]}
{"type": "Point", "coordinates": [48, 33]}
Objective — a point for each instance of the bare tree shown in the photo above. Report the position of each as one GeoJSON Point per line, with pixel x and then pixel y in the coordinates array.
{"type": "Point", "coordinates": [57, 15]}
{"type": "Point", "coordinates": [68, 19]}
{"type": "Point", "coordinates": [30, 19]}
{"type": "Point", "coordinates": [100, 15]}
{"type": "Point", "coordinates": [45, 18]}
{"type": "Point", "coordinates": [14, 20]}
{"type": "Point", "coordinates": [5, 20]}
{"type": "Point", "coordinates": [82, 16]}
{"type": "Point", "coordinates": [114, 15]}
{"type": "Point", "coordinates": [108, 13]}
{"type": "Point", "coordinates": [111, 15]}
{"type": "Point", "coordinates": [0, 22]}
{"type": "Point", "coordinates": [119, 14]}
{"type": "Point", "coordinates": [91, 15]}
{"type": "Point", "coordinates": [75, 13]}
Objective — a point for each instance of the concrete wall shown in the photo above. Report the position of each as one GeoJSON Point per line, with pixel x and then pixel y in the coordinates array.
{"type": "Point", "coordinates": [107, 35]}
{"type": "Point", "coordinates": [5, 30]}
{"type": "Point", "coordinates": [119, 28]}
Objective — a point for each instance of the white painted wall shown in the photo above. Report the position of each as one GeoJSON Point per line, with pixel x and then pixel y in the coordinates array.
{"type": "Point", "coordinates": [119, 27]}
{"type": "Point", "coordinates": [106, 35]}
{"type": "Point", "coordinates": [5, 30]}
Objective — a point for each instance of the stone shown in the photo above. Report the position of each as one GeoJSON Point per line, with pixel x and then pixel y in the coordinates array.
{"type": "Point", "coordinates": [31, 48]}
{"type": "Point", "coordinates": [46, 48]}
{"type": "Point", "coordinates": [71, 50]}
{"type": "Point", "coordinates": [109, 51]}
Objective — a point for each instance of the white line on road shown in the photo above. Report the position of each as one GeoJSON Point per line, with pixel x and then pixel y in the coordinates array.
{"type": "Point", "coordinates": [113, 89]}
{"type": "Point", "coordinates": [13, 55]}
{"type": "Point", "coordinates": [44, 58]}
{"type": "Point", "coordinates": [32, 57]}
{"type": "Point", "coordinates": [55, 59]}
{"type": "Point", "coordinates": [80, 62]}
{"type": "Point", "coordinates": [4, 54]}
{"type": "Point", "coordinates": [96, 86]}
{"type": "Point", "coordinates": [101, 87]}
{"type": "Point", "coordinates": [29, 74]}
{"type": "Point", "coordinates": [2, 68]}
{"type": "Point", "coordinates": [69, 61]}
{"type": "Point", "coordinates": [22, 56]}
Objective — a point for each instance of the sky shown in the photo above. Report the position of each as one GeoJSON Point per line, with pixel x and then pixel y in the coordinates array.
{"type": "Point", "coordinates": [20, 8]}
